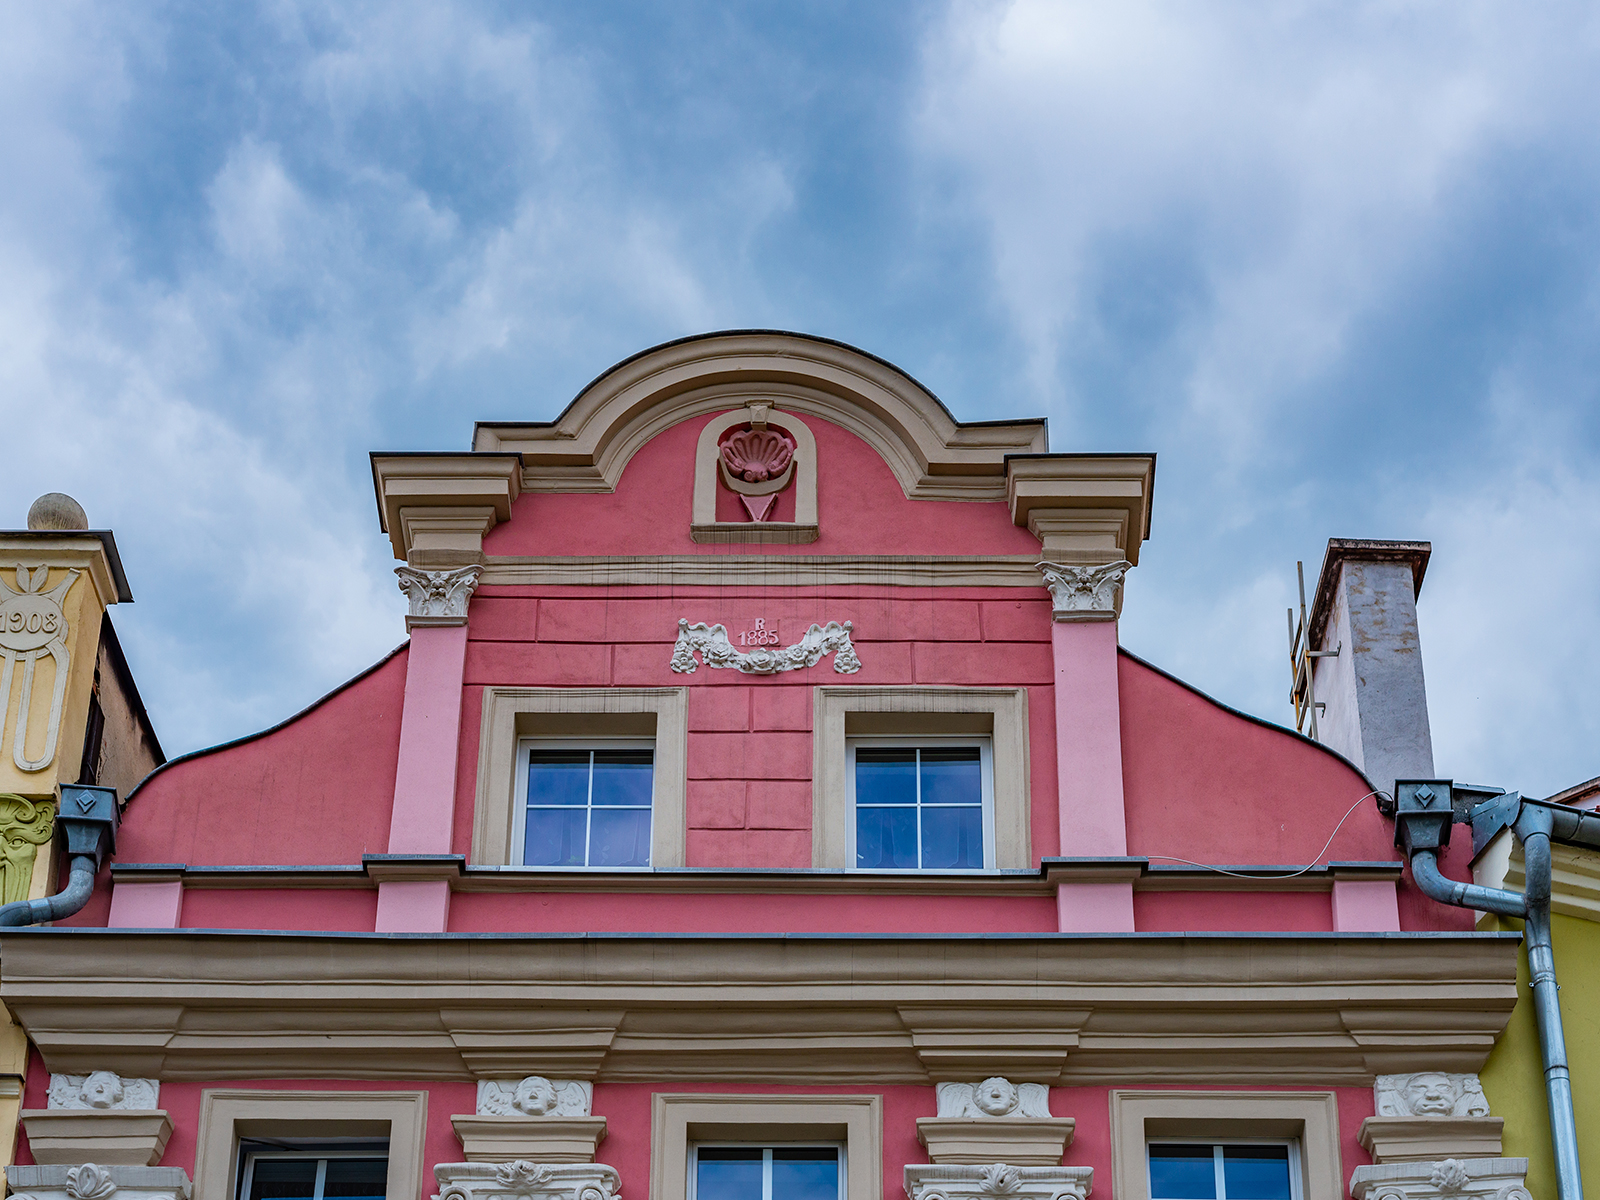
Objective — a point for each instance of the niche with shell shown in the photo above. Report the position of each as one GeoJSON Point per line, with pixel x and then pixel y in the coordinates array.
{"type": "Point", "coordinates": [755, 478]}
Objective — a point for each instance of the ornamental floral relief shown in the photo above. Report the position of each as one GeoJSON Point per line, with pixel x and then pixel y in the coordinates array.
{"type": "Point", "coordinates": [997, 1181]}
{"type": "Point", "coordinates": [1430, 1094]}
{"type": "Point", "coordinates": [1082, 591]}
{"type": "Point", "coordinates": [25, 825]}
{"type": "Point", "coordinates": [101, 1091]}
{"type": "Point", "coordinates": [438, 596]}
{"type": "Point", "coordinates": [534, 1096]}
{"type": "Point", "coordinates": [994, 1097]}
{"type": "Point", "coordinates": [711, 642]}
{"type": "Point", "coordinates": [523, 1180]}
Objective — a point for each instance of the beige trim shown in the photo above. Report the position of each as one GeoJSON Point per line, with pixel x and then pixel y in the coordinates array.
{"type": "Point", "coordinates": [127, 1137]}
{"type": "Point", "coordinates": [1085, 508]}
{"type": "Point", "coordinates": [499, 1139]}
{"type": "Point", "coordinates": [1574, 876]}
{"type": "Point", "coordinates": [1019, 1141]}
{"type": "Point", "coordinates": [437, 507]}
{"type": "Point", "coordinates": [1421, 1139]}
{"type": "Point", "coordinates": [1310, 1117]}
{"type": "Point", "coordinates": [707, 528]}
{"type": "Point", "coordinates": [755, 569]}
{"type": "Point", "coordinates": [840, 712]}
{"type": "Point", "coordinates": [784, 1009]}
{"type": "Point", "coordinates": [513, 713]}
{"type": "Point", "coordinates": [932, 456]}
{"type": "Point", "coordinates": [677, 1119]}
{"type": "Point", "coordinates": [227, 1114]}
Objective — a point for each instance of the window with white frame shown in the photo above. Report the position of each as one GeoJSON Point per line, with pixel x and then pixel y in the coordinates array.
{"type": "Point", "coordinates": [1233, 1170]}
{"type": "Point", "coordinates": [921, 804]}
{"type": "Point", "coordinates": [276, 1170]}
{"type": "Point", "coordinates": [584, 804]}
{"type": "Point", "coordinates": [773, 1172]}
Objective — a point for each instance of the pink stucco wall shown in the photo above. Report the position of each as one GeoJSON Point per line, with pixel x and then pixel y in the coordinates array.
{"type": "Point", "coordinates": [316, 791]}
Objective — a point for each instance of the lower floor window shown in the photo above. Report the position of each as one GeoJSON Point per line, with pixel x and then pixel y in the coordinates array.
{"type": "Point", "coordinates": [766, 1173]}
{"type": "Point", "coordinates": [313, 1175]}
{"type": "Point", "coordinates": [1223, 1171]}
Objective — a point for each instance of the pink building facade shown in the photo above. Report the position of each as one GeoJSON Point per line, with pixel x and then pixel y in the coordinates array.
{"type": "Point", "coordinates": [761, 800]}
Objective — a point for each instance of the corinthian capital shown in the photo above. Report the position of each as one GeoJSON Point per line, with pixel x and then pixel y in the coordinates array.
{"type": "Point", "coordinates": [437, 597]}
{"type": "Point", "coordinates": [1084, 593]}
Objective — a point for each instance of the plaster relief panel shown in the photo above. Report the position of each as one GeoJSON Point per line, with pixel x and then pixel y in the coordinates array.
{"type": "Point", "coordinates": [25, 825]}
{"type": "Point", "coordinates": [998, 1181]}
{"type": "Point", "coordinates": [437, 597]}
{"type": "Point", "coordinates": [32, 627]}
{"type": "Point", "coordinates": [534, 1096]}
{"type": "Point", "coordinates": [102, 1091]}
{"type": "Point", "coordinates": [713, 645]}
{"type": "Point", "coordinates": [994, 1097]}
{"type": "Point", "coordinates": [523, 1180]}
{"type": "Point", "coordinates": [1430, 1094]}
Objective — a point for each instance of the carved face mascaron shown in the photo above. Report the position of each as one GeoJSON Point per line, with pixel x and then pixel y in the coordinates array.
{"type": "Point", "coordinates": [101, 1090]}
{"type": "Point", "coordinates": [534, 1096]}
{"type": "Point", "coordinates": [995, 1096]}
{"type": "Point", "coordinates": [1432, 1094]}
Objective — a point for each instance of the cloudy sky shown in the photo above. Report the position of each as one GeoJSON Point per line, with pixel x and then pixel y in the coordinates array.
{"type": "Point", "coordinates": [1338, 264]}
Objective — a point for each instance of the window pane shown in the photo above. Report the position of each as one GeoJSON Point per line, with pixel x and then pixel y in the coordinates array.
{"type": "Point", "coordinates": [356, 1178]}
{"type": "Point", "coordinates": [622, 777]}
{"type": "Point", "coordinates": [728, 1173]}
{"type": "Point", "coordinates": [952, 838]}
{"type": "Point", "coordinates": [886, 838]}
{"type": "Point", "coordinates": [805, 1173]}
{"type": "Point", "coordinates": [1256, 1172]}
{"type": "Point", "coordinates": [555, 837]}
{"type": "Point", "coordinates": [619, 837]}
{"type": "Point", "coordinates": [283, 1179]}
{"type": "Point", "coordinates": [1182, 1173]}
{"type": "Point", "coordinates": [886, 776]}
{"type": "Point", "coordinates": [952, 776]}
{"type": "Point", "coordinates": [558, 777]}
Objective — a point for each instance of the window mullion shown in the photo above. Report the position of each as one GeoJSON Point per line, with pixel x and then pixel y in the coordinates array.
{"type": "Point", "coordinates": [322, 1179]}
{"type": "Point", "coordinates": [1221, 1176]}
{"type": "Point", "coordinates": [588, 810]}
{"type": "Point", "coordinates": [766, 1174]}
{"type": "Point", "coordinates": [918, 753]}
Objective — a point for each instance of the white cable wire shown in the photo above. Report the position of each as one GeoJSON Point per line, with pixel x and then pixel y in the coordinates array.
{"type": "Point", "coordinates": [1312, 866]}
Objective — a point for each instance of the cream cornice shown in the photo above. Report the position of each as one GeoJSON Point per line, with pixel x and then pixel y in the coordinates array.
{"type": "Point", "coordinates": [451, 499]}
{"type": "Point", "coordinates": [93, 551]}
{"type": "Point", "coordinates": [1084, 508]}
{"type": "Point", "coordinates": [190, 1005]}
{"type": "Point", "coordinates": [1574, 879]}
{"type": "Point", "coordinates": [753, 568]}
{"type": "Point", "coordinates": [933, 456]}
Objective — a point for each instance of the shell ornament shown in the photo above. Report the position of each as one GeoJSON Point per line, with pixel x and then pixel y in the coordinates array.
{"type": "Point", "coordinates": [757, 455]}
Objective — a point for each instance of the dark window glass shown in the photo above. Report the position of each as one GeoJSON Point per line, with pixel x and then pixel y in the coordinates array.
{"type": "Point", "coordinates": [919, 808]}
{"type": "Point", "coordinates": [283, 1179]}
{"type": "Point", "coordinates": [356, 1178]}
{"type": "Point", "coordinates": [728, 1174]}
{"type": "Point", "coordinates": [1256, 1172]}
{"type": "Point", "coordinates": [1183, 1173]}
{"type": "Point", "coordinates": [588, 808]}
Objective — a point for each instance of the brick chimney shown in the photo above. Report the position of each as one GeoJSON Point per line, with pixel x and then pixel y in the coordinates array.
{"type": "Point", "coordinates": [1376, 701]}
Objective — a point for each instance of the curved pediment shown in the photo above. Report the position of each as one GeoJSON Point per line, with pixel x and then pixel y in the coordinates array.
{"type": "Point", "coordinates": [933, 456]}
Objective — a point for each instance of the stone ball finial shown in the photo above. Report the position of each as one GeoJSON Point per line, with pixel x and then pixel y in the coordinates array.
{"type": "Point", "coordinates": [57, 510]}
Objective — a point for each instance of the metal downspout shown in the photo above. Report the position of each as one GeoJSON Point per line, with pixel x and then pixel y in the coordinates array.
{"type": "Point", "coordinates": [1421, 829]}
{"type": "Point", "coordinates": [80, 886]}
{"type": "Point", "coordinates": [87, 822]}
{"type": "Point", "coordinates": [1533, 830]}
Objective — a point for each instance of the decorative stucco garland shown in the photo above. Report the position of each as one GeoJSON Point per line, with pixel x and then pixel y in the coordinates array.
{"type": "Point", "coordinates": [717, 651]}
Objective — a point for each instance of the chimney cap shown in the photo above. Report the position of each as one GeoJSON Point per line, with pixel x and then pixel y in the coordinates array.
{"type": "Point", "coordinates": [1342, 550]}
{"type": "Point", "coordinates": [57, 511]}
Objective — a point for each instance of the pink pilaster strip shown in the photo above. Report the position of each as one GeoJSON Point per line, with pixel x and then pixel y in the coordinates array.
{"type": "Point", "coordinates": [1365, 906]}
{"type": "Point", "coordinates": [146, 905]}
{"type": "Point", "coordinates": [413, 906]}
{"type": "Point", "coordinates": [430, 735]}
{"type": "Point", "coordinates": [1095, 907]}
{"type": "Point", "coordinates": [1089, 739]}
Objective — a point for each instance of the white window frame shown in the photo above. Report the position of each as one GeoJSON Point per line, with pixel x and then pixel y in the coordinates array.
{"type": "Point", "coordinates": [1216, 1144]}
{"type": "Point", "coordinates": [985, 747]}
{"type": "Point", "coordinates": [767, 1147]}
{"type": "Point", "coordinates": [250, 1157]}
{"type": "Point", "coordinates": [519, 816]}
